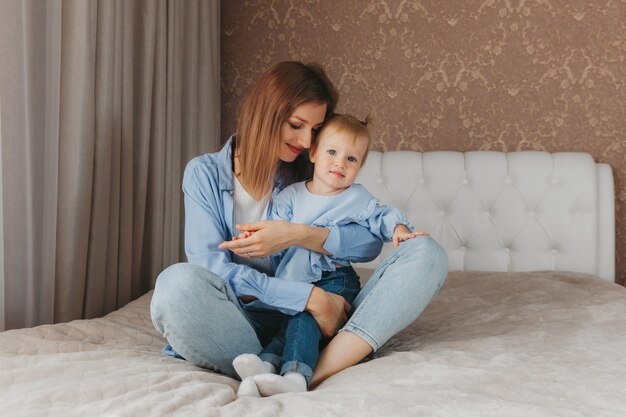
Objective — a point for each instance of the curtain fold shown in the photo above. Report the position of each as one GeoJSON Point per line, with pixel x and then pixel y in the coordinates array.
{"type": "Point", "coordinates": [51, 160]}
{"type": "Point", "coordinates": [2, 306]}
{"type": "Point", "coordinates": [120, 95]}
{"type": "Point", "coordinates": [28, 299]}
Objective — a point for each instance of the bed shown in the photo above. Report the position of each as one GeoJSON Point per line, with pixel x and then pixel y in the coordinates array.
{"type": "Point", "coordinates": [529, 321]}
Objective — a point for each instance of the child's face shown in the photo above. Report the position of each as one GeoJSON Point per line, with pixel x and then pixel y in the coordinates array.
{"type": "Point", "coordinates": [337, 160]}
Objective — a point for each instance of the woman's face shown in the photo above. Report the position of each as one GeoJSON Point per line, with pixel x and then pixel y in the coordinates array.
{"type": "Point", "coordinates": [299, 129]}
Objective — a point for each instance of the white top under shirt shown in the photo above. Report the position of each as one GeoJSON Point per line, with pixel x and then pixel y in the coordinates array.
{"type": "Point", "coordinates": [248, 210]}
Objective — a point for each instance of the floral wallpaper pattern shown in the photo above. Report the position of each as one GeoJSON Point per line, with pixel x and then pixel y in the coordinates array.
{"type": "Point", "coordinates": [500, 75]}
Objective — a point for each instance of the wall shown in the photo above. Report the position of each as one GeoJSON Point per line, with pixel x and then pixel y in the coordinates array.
{"type": "Point", "coordinates": [465, 75]}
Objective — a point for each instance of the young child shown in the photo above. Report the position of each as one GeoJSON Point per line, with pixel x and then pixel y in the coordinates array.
{"type": "Point", "coordinates": [331, 198]}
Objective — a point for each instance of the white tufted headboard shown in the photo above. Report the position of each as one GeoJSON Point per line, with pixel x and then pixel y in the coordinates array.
{"type": "Point", "coordinates": [495, 211]}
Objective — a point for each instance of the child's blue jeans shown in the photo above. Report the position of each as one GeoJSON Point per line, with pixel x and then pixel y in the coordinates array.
{"type": "Point", "coordinates": [296, 346]}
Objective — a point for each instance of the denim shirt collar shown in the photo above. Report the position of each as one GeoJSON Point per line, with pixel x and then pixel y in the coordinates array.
{"type": "Point", "coordinates": [225, 167]}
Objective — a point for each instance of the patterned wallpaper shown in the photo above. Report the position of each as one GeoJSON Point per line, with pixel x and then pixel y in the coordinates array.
{"type": "Point", "coordinates": [500, 75]}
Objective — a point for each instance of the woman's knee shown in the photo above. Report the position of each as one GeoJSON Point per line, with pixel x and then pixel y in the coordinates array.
{"type": "Point", "coordinates": [178, 285]}
{"type": "Point", "coordinates": [421, 257]}
{"type": "Point", "coordinates": [194, 310]}
{"type": "Point", "coordinates": [184, 277]}
{"type": "Point", "coordinates": [399, 291]}
{"type": "Point", "coordinates": [418, 244]}
{"type": "Point", "coordinates": [423, 249]}
{"type": "Point", "coordinates": [170, 285]}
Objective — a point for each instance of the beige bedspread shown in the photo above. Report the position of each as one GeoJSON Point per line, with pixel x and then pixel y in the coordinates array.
{"type": "Point", "coordinates": [490, 344]}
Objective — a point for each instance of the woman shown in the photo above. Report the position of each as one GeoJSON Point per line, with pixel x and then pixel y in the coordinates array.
{"type": "Point", "coordinates": [225, 302]}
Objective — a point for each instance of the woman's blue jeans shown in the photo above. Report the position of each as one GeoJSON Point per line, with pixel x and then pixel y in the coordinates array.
{"type": "Point", "coordinates": [202, 319]}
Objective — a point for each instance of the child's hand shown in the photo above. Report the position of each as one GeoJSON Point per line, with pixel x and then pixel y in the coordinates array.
{"type": "Point", "coordinates": [402, 233]}
{"type": "Point", "coordinates": [242, 235]}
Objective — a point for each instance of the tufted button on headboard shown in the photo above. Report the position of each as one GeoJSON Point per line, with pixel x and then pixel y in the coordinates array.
{"type": "Point", "coordinates": [495, 211]}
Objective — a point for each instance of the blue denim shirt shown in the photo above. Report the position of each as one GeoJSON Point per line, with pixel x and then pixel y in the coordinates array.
{"type": "Point", "coordinates": [208, 192]}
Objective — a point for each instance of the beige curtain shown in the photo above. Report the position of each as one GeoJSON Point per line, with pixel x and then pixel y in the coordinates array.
{"type": "Point", "coordinates": [1, 232]}
{"type": "Point", "coordinates": [103, 103]}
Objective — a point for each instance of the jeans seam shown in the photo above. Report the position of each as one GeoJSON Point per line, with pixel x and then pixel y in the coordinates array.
{"type": "Point", "coordinates": [293, 365]}
{"type": "Point", "coordinates": [297, 338]}
{"type": "Point", "coordinates": [365, 301]}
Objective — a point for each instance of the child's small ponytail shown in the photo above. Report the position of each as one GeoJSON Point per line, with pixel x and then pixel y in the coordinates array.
{"type": "Point", "coordinates": [366, 121]}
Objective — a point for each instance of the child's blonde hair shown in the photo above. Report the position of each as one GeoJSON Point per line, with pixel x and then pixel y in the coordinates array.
{"type": "Point", "coordinates": [348, 125]}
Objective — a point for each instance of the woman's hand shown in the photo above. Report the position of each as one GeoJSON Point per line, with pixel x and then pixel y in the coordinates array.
{"type": "Point", "coordinates": [264, 238]}
{"type": "Point", "coordinates": [261, 239]}
{"type": "Point", "coordinates": [329, 310]}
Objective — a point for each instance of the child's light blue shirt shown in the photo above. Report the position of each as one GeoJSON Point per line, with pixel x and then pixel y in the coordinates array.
{"type": "Point", "coordinates": [208, 193]}
{"type": "Point", "coordinates": [353, 206]}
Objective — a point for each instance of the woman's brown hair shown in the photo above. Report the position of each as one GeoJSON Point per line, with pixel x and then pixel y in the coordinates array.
{"type": "Point", "coordinates": [274, 97]}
